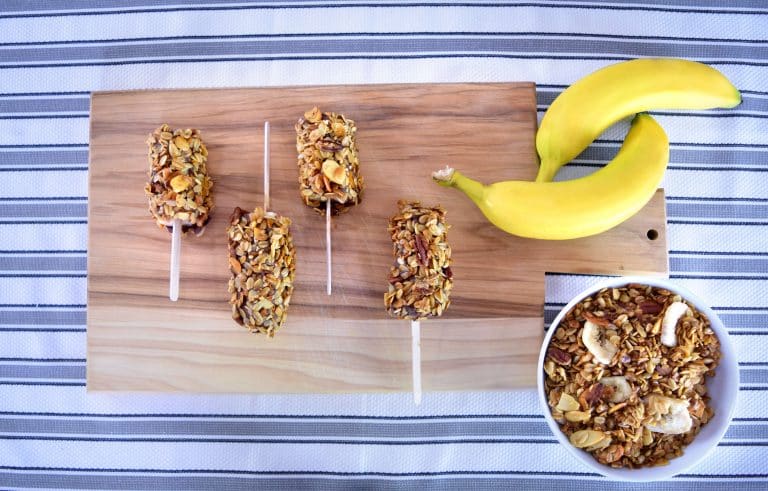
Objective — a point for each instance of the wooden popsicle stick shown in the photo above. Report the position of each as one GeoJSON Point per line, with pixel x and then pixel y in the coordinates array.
{"type": "Point", "coordinates": [266, 165]}
{"type": "Point", "coordinates": [173, 294]}
{"type": "Point", "coordinates": [328, 243]}
{"type": "Point", "coordinates": [416, 360]}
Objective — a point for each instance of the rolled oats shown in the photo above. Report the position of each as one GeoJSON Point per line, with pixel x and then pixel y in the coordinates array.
{"type": "Point", "coordinates": [262, 266]}
{"type": "Point", "coordinates": [639, 393]}
{"type": "Point", "coordinates": [420, 279]}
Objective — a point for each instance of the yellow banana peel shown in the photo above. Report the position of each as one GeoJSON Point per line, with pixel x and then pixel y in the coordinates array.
{"type": "Point", "coordinates": [579, 207]}
{"type": "Point", "coordinates": [592, 104]}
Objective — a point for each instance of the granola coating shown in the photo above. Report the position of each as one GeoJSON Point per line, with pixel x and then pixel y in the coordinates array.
{"type": "Point", "coordinates": [420, 279]}
{"type": "Point", "coordinates": [329, 168]}
{"type": "Point", "coordinates": [262, 266]}
{"type": "Point", "coordinates": [179, 186]}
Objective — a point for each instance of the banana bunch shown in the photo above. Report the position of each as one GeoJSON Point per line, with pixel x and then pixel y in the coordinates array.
{"type": "Point", "coordinates": [579, 207]}
{"type": "Point", "coordinates": [597, 202]}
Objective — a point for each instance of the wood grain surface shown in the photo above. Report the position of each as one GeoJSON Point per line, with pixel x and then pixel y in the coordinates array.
{"type": "Point", "coordinates": [488, 339]}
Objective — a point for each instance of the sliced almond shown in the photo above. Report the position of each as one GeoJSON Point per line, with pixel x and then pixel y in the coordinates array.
{"type": "Point", "coordinates": [587, 438]}
{"type": "Point", "coordinates": [577, 416]}
{"type": "Point", "coordinates": [334, 172]}
{"type": "Point", "coordinates": [567, 403]}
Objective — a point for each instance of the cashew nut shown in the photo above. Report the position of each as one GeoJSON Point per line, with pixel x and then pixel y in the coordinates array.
{"type": "Point", "coordinates": [602, 349]}
{"type": "Point", "coordinates": [669, 416]}
{"type": "Point", "coordinates": [621, 388]}
{"type": "Point", "coordinates": [668, 326]}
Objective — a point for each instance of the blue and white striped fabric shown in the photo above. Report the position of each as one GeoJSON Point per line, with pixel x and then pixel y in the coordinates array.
{"type": "Point", "coordinates": [53, 53]}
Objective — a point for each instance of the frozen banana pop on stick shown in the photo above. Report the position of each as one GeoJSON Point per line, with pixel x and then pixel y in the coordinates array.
{"type": "Point", "coordinates": [261, 263]}
{"type": "Point", "coordinates": [329, 167]}
{"type": "Point", "coordinates": [261, 260]}
{"type": "Point", "coordinates": [420, 279]}
{"type": "Point", "coordinates": [179, 188]}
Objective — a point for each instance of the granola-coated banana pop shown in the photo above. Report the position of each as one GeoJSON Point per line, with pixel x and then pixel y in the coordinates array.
{"type": "Point", "coordinates": [328, 162]}
{"type": "Point", "coordinates": [262, 263]}
{"type": "Point", "coordinates": [179, 186]}
{"type": "Point", "coordinates": [420, 280]}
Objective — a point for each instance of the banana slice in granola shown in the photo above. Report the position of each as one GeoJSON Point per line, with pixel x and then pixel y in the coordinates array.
{"type": "Point", "coordinates": [667, 415]}
{"type": "Point", "coordinates": [597, 344]}
{"type": "Point", "coordinates": [674, 312]}
{"type": "Point", "coordinates": [621, 388]}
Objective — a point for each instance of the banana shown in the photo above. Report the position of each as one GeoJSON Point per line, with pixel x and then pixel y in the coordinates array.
{"type": "Point", "coordinates": [669, 324]}
{"type": "Point", "coordinates": [592, 104]}
{"type": "Point", "coordinates": [579, 207]}
{"type": "Point", "coordinates": [621, 388]}
{"type": "Point", "coordinates": [667, 415]}
{"type": "Point", "coordinates": [600, 347]}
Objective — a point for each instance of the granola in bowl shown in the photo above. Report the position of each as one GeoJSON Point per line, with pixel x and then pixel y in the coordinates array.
{"type": "Point", "coordinates": [625, 374]}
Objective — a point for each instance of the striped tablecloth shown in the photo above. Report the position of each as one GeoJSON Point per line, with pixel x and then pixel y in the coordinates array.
{"type": "Point", "coordinates": [53, 53]}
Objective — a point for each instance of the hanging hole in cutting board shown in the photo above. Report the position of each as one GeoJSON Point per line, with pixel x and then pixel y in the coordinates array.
{"type": "Point", "coordinates": [652, 234]}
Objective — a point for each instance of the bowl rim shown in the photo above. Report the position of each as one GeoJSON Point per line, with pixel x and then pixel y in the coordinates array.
{"type": "Point", "coordinates": [715, 429]}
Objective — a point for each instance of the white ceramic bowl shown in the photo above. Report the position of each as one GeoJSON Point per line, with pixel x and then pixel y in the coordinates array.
{"type": "Point", "coordinates": [723, 389]}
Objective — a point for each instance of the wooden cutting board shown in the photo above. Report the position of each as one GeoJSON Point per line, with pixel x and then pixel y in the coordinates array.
{"type": "Point", "coordinates": [488, 339]}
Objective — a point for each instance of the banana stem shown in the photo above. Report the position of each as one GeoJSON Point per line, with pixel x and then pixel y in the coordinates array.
{"type": "Point", "coordinates": [452, 178]}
